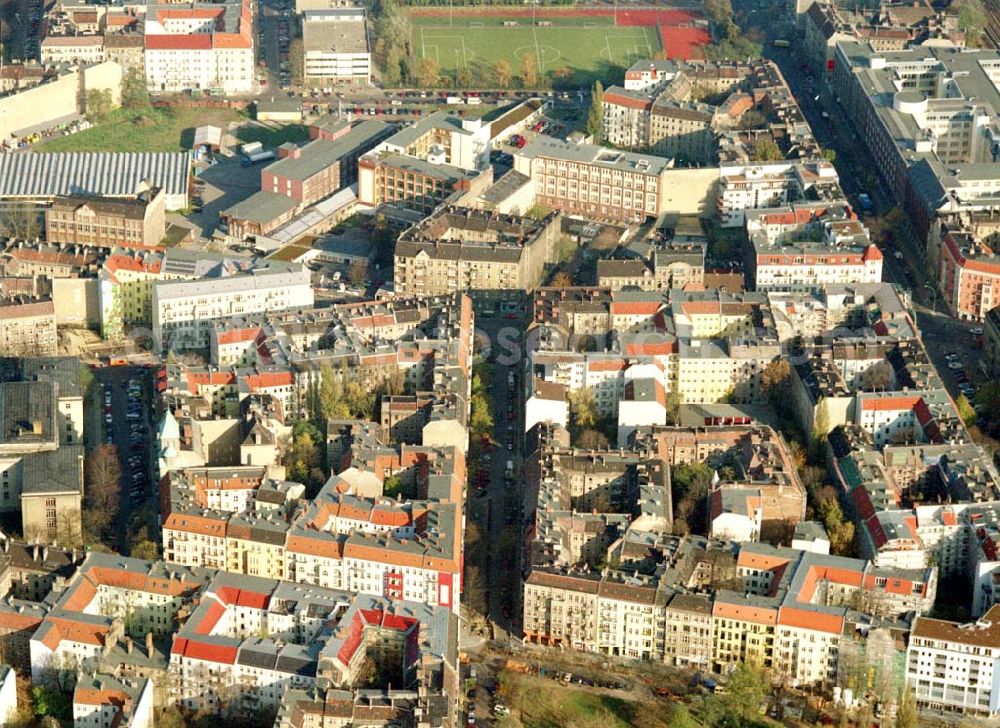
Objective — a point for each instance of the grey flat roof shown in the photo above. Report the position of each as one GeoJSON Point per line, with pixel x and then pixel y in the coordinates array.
{"type": "Point", "coordinates": [167, 290]}
{"type": "Point", "coordinates": [549, 147]}
{"type": "Point", "coordinates": [261, 207]}
{"type": "Point", "coordinates": [422, 166]}
{"type": "Point", "coordinates": [56, 471]}
{"type": "Point", "coordinates": [323, 34]}
{"type": "Point", "coordinates": [320, 154]}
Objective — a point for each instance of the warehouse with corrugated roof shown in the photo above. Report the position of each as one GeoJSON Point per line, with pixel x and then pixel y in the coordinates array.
{"type": "Point", "coordinates": [42, 176]}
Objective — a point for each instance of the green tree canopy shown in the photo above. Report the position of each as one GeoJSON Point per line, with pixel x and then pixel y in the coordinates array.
{"type": "Point", "coordinates": [595, 116]}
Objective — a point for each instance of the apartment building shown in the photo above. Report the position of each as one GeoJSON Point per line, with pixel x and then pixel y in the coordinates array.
{"type": "Point", "coordinates": [183, 312]}
{"type": "Point", "coordinates": [790, 615]}
{"type": "Point", "coordinates": [41, 453]}
{"type": "Point", "coordinates": [410, 552]}
{"type": "Point", "coordinates": [444, 138]}
{"type": "Point", "coordinates": [316, 170]}
{"type": "Point", "coordinates": [751, 511]}
{"type": "Point", "coordinates": [593, 181]}
{"type": "Point", "coordinates": [626, 117]}
{"type": "Point", "coordinates": [19, 619]}
{"type": "Point", "coordinates": [687, 640]}
{"type": "Point", "coordinates": [901, 416]}
{"type": "Point", "coordinates": [671, 265]}
{"type": "Point", "coordinates": [487, 254]}
{"type": "Point", "coordinates": [590, 614]}
{"type": "Point", "coordinates": [127, 49]}
{"type": "Point", "coordinates": [127, 277]}
{"type": "Point", "coordinates": [32, 260]}
{"type": "Point", "coordinates": [232, 644]}
{"type": "Point", "coordinates": [969, 274]}
{"type": "Point", "coordinates": [83, 49]}
{"type": "Point", "coordinates": [200, 47]}
{"type": "Point", "coordinates": [990, 361]}
{"type": "Point", "coordinates": [755, 185]}
{"type": "Point", "coordinates": [315, 636]}
{"type": "Point", "coordinates": [29, 327]}
{"type": "Point", "coordinates": [806, 246]}
{"type": "Point", "coordinates": [283, 354]}
{"type": "Point", "coordinates": [107, 223]}
{"type": "Point", "coordinates": [894, 28]}
{"type": "Point", "coordinates": [663, 111]}
{"type": "Point", "coordinates": [335, 46]}
{"type": "Point", "coordinates": [952, 667]}
{"type": "Point", "coordinates": [683, 130]}
{"type": "Point", "coordinates": [101, 700]}
{"type": "Point", "coordinates": [926, 115]}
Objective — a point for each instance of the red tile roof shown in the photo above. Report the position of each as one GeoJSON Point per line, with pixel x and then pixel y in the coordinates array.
{"type": "Point", "coordinates": [178, 42]}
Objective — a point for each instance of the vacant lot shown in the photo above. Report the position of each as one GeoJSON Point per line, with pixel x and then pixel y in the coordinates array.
{"type": "Point", "coordinates": [542, 703]}
{"type": "Point", "coordinates": [272, 135]}
{"type": "Point", "coordinates": [146, 130]}
{"type": "Point", "coordinates": [169, 130]}
{"type": "Point", "coordinates": [589, 51]}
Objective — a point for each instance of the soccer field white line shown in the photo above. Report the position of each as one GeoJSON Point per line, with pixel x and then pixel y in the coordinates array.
{"type": "Point", "coordinates": [627, 43]}
{"type": "Point", "coordinates": [538, 53]}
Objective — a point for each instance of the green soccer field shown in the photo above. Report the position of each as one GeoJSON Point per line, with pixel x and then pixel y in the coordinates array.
{"type": "Point", "coordinates": [590, 52]}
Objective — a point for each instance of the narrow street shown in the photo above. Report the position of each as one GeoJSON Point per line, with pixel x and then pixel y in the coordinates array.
{"type": "Point", "coordinates": [504, 494]}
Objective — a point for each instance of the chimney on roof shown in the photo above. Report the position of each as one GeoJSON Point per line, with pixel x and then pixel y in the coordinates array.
{"type": "Point", "coordinates": [34, 552]}
{"type": "Point", "coordinates": [149, 645]}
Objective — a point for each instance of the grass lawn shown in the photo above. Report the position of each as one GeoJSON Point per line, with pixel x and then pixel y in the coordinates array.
{"type": "Point", "coordinates": [590, 52]}
{"type": "Point", "coordinates": [289, 253]}
{"type": "Point", "coordinates": [546, 704]}
{"type": "Point", "coordinates": [175, 235]}
{"type": "Point", "coordinates": [487, 19]}
{"type": "Point", "coordinates": [272, 136]}
{"type": "Point", "coordinates": [147, 130]}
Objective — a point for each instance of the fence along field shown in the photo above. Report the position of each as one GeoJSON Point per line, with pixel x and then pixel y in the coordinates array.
{"type": "Point", "coordinates": [590, 43]}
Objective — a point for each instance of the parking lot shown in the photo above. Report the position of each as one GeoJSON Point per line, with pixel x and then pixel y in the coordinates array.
{"type": "Point", "coordinates": [126, 411]}
{"type": "Point", "coordinates": [217, 187]}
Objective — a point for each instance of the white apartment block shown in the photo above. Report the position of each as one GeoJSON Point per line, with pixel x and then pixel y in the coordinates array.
{"type": "Point", "coordinates": [315, 563]}
{"type": "Point", "coordinates": [101, 700]}
{"type": "Point", "coordinates": [955, 668]}
{"type": "Point", "coordinates": [201, 47]}
{"type": "Point", "coordinates": [195, 540]}
{"type": "Point", "coordinates": [86, 49]}
{"type": "Point", "coordinates": [335, 46]}
{"type": "Point", "coordinates": [707, 372]}
{"type": "Point", "coordinates": [770, 184]}
{"type": "Point", "coordinates": [815, 266]}
{"type": "Point", "coordinates": [183, 312]}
